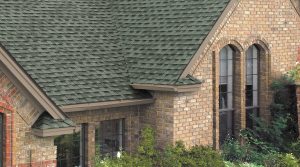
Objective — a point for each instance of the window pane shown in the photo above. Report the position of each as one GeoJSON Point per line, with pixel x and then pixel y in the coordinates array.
{"type": "Point", "coordinates": [225, 94]}
{"type": "Point", "coordinates": [226, 80]}
{"type": "Point", "coordinates": [250, 115]}
{"type": "Point", "coordinates": [249, 95]}
{"type": "Point", "coordinates": [252, 75]}
{"type": "Point", "coordinates": [110, 137]}
{"type": "Point", "coordinates": [223, 100]}
{"type": "Point", "coordinates": [226, 125]}
{"type": "Point", "coordinates": [223, 68]}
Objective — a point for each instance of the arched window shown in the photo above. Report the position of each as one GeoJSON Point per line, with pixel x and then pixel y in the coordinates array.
{"type": "Point", "coordinates": [252, 85]}
{"type": "Point", "coordinates": [226, 93]}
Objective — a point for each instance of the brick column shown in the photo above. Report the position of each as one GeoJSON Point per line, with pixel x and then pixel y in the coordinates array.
{"type": "Point", "coordinates": [298, 104]}
{"type": "Point", "coordinates": [90, 144]}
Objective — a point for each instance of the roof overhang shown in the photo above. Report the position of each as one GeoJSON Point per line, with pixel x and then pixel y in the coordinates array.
{"type": "Point", "coordinates": [29, 84]}
{"type": "Point", "coordinates": [207, 41]}
{"type": "Point", "coordinates": [54, 132]}
{"type": "Point", "coordinates": [167, 88]}
{"type": "Point", "coordinates": [103, 105]}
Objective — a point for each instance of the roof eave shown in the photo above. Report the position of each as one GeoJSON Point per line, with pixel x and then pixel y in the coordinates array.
{"type": "Point", "coordinates": [103, 105]}
{"type": "Point", "coordinates": [167, 88]}
{"type": "Point", "coordinates": [54, 132]}
{"type": "Point", "coordinates": [227, 11]}
{"type": "Point", "coordinates": [30, 85]}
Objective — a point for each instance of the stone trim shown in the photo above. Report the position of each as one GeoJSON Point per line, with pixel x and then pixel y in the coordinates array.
{"type": "Point", "coordinates": [228, 41]}
{"type": "Point", "coordinates": [167, 88]}
{"type": "Point", "coordinates": [102, 105]}
{"type": "Point", "coordinates": [258, 41]}
{"type": "Point", "coordinates": [55, 132]}
{"type": "Point", "coordinates": [228, 11]}
{"type": "Point", "coordinates": [29, 84]}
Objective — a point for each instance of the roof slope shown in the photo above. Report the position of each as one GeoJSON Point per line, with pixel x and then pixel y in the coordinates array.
{"type": "Point", "coordinates": [160, 37]}
{"type": "Point", "coordinates": [45, 121]}
{"type": "Point", "coordinates": [84, 51]}
{"type": "Point", "coordinates": [68, 47]}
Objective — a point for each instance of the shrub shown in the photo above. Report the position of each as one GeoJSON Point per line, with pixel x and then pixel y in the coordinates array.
{"type": "Point", "coordinates": [196, 156]}
{"type": "Point", "coordinates": [204, 156]}
{"type": "Point", "coordinates": [233, 151]}
{"type": "Point", "coordinates": [295, 148]}
{"type": "Point", "coordinates": [171, 156]}
{"type": "Point", "coordinates": [281, 160]}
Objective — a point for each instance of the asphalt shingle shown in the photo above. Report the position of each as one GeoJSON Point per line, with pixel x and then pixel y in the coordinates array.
{"type": "Point", "coordinates": [45, 122]}
{"type": "Point", "coordinates": [84, 51]}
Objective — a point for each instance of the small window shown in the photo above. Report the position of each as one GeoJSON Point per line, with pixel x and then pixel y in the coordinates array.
{"type": "Point", "coordinates": [251, 87]}
{"type": "Point", "coordinates": [110, 137]}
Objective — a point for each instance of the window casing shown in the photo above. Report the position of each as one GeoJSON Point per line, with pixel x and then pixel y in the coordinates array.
{"type": "Point", "coordinates": [110, 137]}
{"type": "Point", "coordinates": [226, 93]}
{"type": "Point", "coordinates": [252, 85]}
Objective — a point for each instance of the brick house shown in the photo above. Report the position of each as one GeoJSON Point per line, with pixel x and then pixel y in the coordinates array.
{"type": "Point", "coordinates": [194, 70]}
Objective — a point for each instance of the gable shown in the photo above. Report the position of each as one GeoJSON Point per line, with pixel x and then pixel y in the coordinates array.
{"type": "Point", "coordinates": [24, 105]}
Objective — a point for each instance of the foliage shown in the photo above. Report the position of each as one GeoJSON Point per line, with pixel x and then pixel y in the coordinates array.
{"type": "Point", "coordinates": [179, 156]}
{"type": "Point", "coordinates": [231, 164]}
{"type": "Point", "coordinates": [175, 156]}
{"type": "Point", "coordinates": [233, 151]}
{"type": "Point", "coordinates": [269, 142]}
{"type": "Point", "coordinates": [294, 74]}
{"type": "Point", "coordinates": [146, 147]}
{"type": "Point", "coordinates": [295, 148]}
{"type": "Point", "coordinates": [281, 160]}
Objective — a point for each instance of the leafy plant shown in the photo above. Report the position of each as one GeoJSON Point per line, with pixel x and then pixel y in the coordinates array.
{"type": "Point", "coordinates": [294, 74]}
{"type": "Point", "coordinates": [281, 160]}
{"type": "Point", "coordinates": [171, 156]}
{"type": "Point", "coordinates": [295, 148]}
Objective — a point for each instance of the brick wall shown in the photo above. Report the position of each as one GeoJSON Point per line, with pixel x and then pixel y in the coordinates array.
{"type": "Point", "coordinates": [21, 147]}
{"type": "Point", "coordinates": [93, 118]}
{"type": "Point", "coordinates": [274, 27]}
{"type": "Point", "coordinates": [160, 116]}
{"type": "Point", "coordinates": [194, 117]}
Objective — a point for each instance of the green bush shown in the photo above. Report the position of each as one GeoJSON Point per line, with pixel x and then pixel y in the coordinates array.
{"type": "Point", "coordinates": [196, 156]}
{"type": "Point", "coordinates": [171, 156]}
{"type": "Point", "coordinates": [295, 148]}
{"type": "Point", "coordinates": [281, 160]}
{"type": "Point", "coordinates": [204, 156]}
{"type": "Point", "coordinates": [233, 151]}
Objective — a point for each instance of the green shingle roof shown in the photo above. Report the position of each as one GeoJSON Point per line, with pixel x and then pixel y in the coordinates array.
{"type": "Point", "coordinates": [159, 37]}
{"type": "Point", "coordinates": [83, 51]}
{"type": "Point", "coordinates": [45, 122]}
